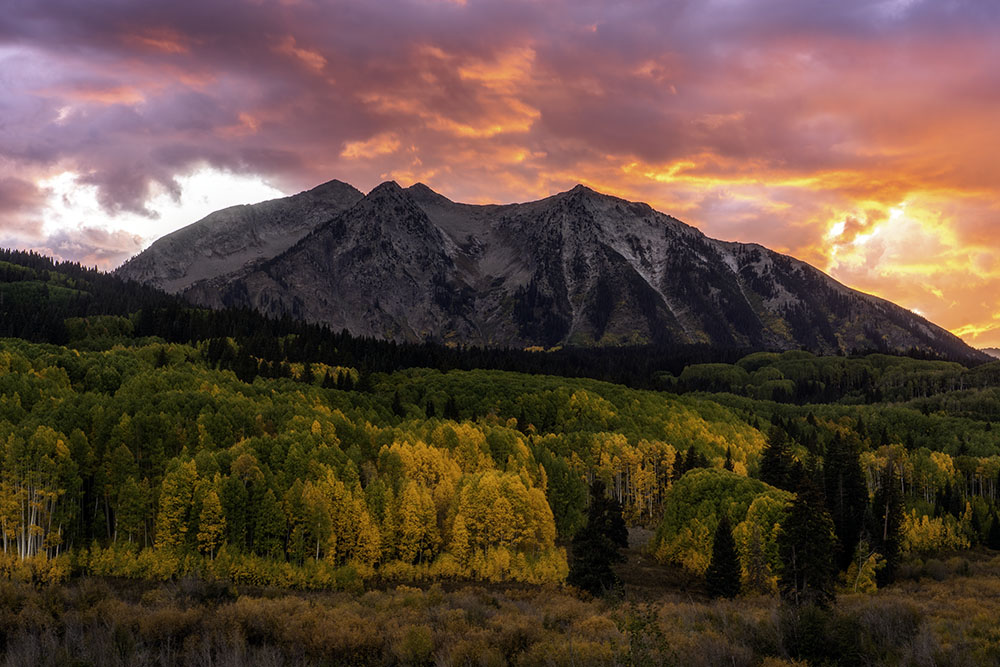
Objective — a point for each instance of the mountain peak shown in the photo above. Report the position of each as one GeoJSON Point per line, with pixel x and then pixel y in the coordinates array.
{"type": "Point", "coordinates": [385, 187]}
{"type": "Point", "coordinates": [577, 268]}
{"type": "Point", "coordinates": [333, 185]}
{"type": "Point", "coordinates": [425, 193]}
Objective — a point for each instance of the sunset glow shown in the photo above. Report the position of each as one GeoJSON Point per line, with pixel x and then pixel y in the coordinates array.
{"type": "Point", "coordinates": [858, 136]}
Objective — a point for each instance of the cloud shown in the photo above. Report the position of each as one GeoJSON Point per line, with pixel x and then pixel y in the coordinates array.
{"type": "Point", "coordinates": [775, 121]}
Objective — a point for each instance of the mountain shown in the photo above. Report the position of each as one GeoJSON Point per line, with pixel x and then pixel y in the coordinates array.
{"type": "Point", "coordinates": [576, 268]}
{"type": "Point", "coordinates": [235, 237]}
{"type": "Point", "coordinates": [992, 351]}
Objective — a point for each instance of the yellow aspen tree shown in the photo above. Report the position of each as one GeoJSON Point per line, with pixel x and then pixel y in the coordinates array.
{"type": "Point", "coordinates": [176, 496]}
{"type": "Point", "coordinates": [369, 544]}
{"type": "Point", "coordinates": [211, 524]}
{"type": "Point", "coordinates": [316, 512]}
{"type": "Point", "coordinates": [410, 529]}
{"type": "Point", "coordinates": [459, 546]}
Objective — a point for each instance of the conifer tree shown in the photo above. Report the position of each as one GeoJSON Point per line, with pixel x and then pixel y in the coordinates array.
{"type": "Point", "coordinates": [776, 463]}
{"type": "Point", "coordinates": [269, 527]}
{"type": "Point", "coordinates": [723, 575]}
{"type": "Point", "coordinates": [993, 536]}
{"type": "Point", "coordinates": [397, 405]}
{"type": "Point", "coordinates": [728, 465]}
{"type": "Point", "coordinates": [846, 496]}
{"type": "Point", "coordinates": [806, 545]}
{"type": "Point", "coordinates": [451, 409]}
{"type": "Point", "coordinates": [594, 549]}
{"type": "Point", "coordinates": [887, 523]}
{"type": "Point", "coordinates": [759, 576]}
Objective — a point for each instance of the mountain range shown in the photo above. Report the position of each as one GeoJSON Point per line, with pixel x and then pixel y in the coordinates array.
{"type": "Point", "coordinates": [576, 268]}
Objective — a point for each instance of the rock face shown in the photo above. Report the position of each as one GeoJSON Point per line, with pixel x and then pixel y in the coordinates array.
{"type": "Point", "coordinates": [578, 268]}
{"type": "Point", "coordinates": [235, 237]}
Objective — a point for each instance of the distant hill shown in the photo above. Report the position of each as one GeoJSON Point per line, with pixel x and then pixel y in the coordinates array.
{"type": "Point", "coordinates": [577, 268]}
{"type": "Point", "coordinates": [992, 351]}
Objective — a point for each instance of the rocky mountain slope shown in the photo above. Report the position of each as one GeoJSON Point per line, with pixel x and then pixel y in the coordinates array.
{"type": "Point", "coordinates": [232, 238]}
{"type": "Point", "coordinates": [576, 268]}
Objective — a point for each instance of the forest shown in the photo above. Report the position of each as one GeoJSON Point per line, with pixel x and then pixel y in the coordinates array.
{"type": "Point", "coordinates": [194, 473]}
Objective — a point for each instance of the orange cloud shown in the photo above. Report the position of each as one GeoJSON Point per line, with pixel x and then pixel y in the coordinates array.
{"type": "Point", "coordinates": [311, 58]}
{"type": "Point", "coordinates": [382, 144]}
{"type": "Point", "coordinates": [161, 40]}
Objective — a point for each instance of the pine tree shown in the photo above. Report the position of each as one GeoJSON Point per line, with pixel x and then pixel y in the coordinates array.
{"type": "Point", "coordinates": [846, 496]}
{"type": "Point", "coordinates": [451, 409]}
{"type": "Point", "coordinates": [993, 536]}
{"type": "Point", "coordinates": [728, 465]}
{"type": "Point", "coordinates": [776, 463]}
{"type": "Point", "coordinates": [723, 575]}
{"type": "Point", "coordinates": [594, 549]}
{"type": "Point", "coordinates": [269, 524]}
{"type": "Point", "coordinates": [806, 544]}
{"type": "Point", "coordinates": [759, 576]}
{"type": "Point", "coordinates": [397, 405]}
{"type": "Point", "coordinates": [429, 411]}
{"type": "Point", "coordinates": [887, 523]}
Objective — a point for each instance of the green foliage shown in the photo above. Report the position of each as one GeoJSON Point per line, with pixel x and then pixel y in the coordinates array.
{"type": "Point", "coordinates": [695, 504]}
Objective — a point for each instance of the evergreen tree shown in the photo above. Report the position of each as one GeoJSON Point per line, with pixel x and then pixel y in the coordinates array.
{"type": "Point", "coordinates": [594, 548]}
{"type": "Point", "coordinates": [397, 405]}
{"type": "Point", "coordinates": [614, 520]}
{"type": "Point", "coordinates": [269, 527]}
{"type": "Point", "coordinates": [806, 544]}
{"type": "Point", "coordinates": [993, 536]}
{"type": "Point", "coordinates": [728, 465]}
{"type": "Point", "coordinates": [777, 463]}
{"type": "Point", "coordinates": [723, 575]}
{"type": "Point", "coordinates": [451, 409]}
{"type": "Point", "coordinates": [976, 527]}
{"type": "Point", "coordinates": [887, 523]}
{"type": "Point", "coordinates": [430, 411]}
{"type": "Point", "coordinates": [846, 496]}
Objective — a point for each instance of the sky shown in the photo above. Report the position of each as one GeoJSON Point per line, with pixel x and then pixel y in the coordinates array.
{"type": "Point", "coordinates": [860, 136]}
